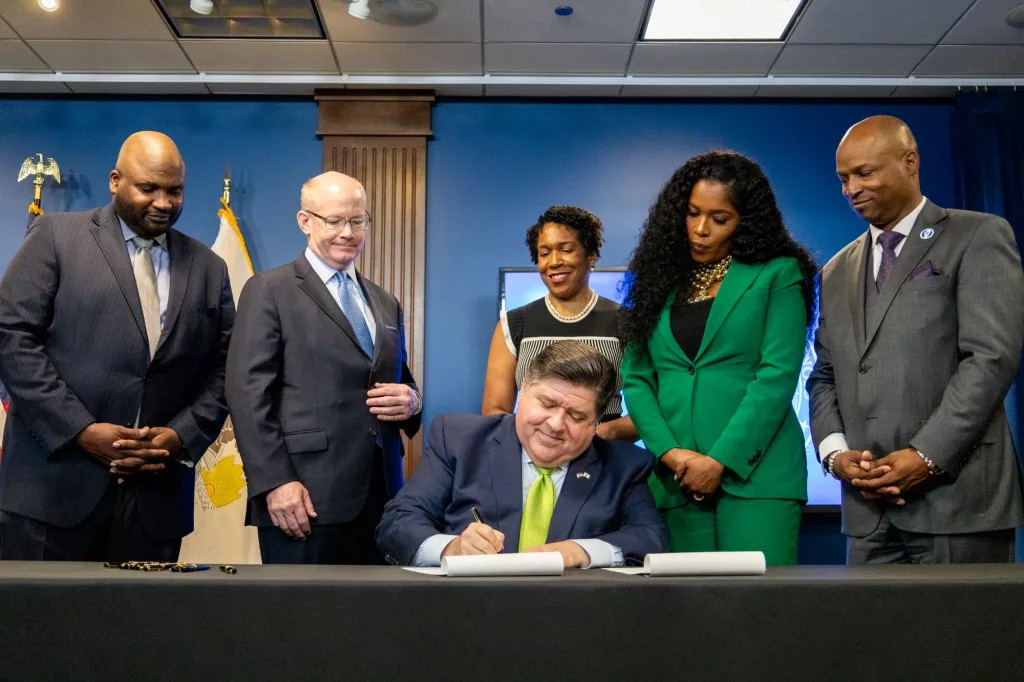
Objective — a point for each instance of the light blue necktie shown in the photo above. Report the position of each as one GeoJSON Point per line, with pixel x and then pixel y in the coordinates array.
{"type": "Point", "coordinates": [351, 310]}
{"type": "Point", "coordinates": [358, 322]}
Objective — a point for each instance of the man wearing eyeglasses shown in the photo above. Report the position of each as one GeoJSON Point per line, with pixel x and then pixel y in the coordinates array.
{"type": "Point", "coordinates": [318, 386]}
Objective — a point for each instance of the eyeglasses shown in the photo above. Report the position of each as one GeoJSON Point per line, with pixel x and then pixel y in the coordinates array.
{"type": "Point", "coordinates": [337, 224]}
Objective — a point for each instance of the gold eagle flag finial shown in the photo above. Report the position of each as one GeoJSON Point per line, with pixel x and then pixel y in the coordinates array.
{"type": "Point", "coordinates": [40, 170]}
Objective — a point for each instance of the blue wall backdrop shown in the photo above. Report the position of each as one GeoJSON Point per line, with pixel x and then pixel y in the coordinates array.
{"type": "Point", "coordinates": [269, 144]}
{"type": "Point", "coordinates": [493, 167]}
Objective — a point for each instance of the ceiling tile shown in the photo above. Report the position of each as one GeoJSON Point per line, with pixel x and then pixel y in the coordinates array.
{"type": "Point", "coordinates": [700, 91]}
{"type": "Point", "coordinates": [409, 58]}
{"type": "Point", "coordinates": [87, 20]}
{"type": "Point", "coordinates": [6, 31]}
{"type": "Point", "coordinates": [973, 60]}
{"type": "Point", "coordinates": [828, 91]}
{"type": "Point", "coordinates": [556, 58]}
{"type": "Point", "coordinates": [877, 22]}
{"type": "Point", "coordinates": [457, 21]}
{"type": "Point", "coordinates": [924, 91]}
{"type": "Point", "coordinates": [122, 56]}
{"type": "Point", "coordinates": [535, 21]}
{"type": "Point", "coordinates": [549, 91]}
{"type": "Point", "coordinates": [985, 24]}
{"type": "Point", "coordinates": [261, 56]}
{"type": "Point", "coordinates": [16, 56]}
{"type": "Point", "coordinates": [159, 89]}
{"type": "Point", "coordinates": [30, 88]}
{"type": "Point", "coordinates": [849, 60]}
{"type": "Point", "coordinates": [703, 59]}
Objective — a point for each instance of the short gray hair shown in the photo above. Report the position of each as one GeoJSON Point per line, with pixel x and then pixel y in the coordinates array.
{"type": "Point", "coordinates": [580, 365]}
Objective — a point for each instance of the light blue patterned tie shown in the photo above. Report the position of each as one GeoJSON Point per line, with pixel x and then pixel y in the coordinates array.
{"type": "Point", "coordinates": [355, 318]}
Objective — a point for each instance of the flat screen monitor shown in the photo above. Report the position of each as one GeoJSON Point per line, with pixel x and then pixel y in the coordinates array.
{"type": "Point", "coordinates": [519, 286]}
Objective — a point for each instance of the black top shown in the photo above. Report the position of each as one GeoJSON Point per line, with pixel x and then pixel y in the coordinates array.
{"type": "Point", "coordinates": [532, 328]}
{"type": "Point", "coordinates": [688, 323]}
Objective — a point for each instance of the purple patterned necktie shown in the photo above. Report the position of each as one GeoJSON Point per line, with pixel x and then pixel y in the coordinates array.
{"type": "Point", "coordinates": [889, 241]}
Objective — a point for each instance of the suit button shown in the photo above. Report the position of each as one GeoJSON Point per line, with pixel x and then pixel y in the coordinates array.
{"type": "Point", "coordinates": [373, 432]}
{"type": "Point", "coordinates": [693, 371]}
{"type": "Point", "coordinates": [863, 369]}
{"type": "Point", "coordinates": [752, 461]}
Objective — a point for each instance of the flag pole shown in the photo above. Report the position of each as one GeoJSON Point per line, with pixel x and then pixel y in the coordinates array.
{"type": "Point", "coordinates": [227, 186]}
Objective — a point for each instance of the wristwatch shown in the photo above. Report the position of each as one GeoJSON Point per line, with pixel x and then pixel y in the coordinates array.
{"type": "Point", "coordinates": [828, 463]}
{"type": "Point", "coordinates": [932, 469]}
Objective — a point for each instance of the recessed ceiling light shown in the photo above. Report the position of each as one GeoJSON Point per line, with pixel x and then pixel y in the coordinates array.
{"type": "Point", "coordinates": [719, 19]}
{"type": "Point", "coordinates": [201, 6]}
{"type": "Point", "coordinates": [49, 5]}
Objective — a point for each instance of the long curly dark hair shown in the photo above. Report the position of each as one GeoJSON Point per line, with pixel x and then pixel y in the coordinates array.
{"type": "Point", "coordinates": [661, 262]}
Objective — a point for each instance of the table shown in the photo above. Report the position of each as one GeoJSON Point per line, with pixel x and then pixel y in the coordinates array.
{"type": "Point", "coordinates": [68, 621]}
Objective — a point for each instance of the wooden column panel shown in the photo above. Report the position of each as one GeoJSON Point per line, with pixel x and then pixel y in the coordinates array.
{"type": "Point", "coordinates": [381, 140]}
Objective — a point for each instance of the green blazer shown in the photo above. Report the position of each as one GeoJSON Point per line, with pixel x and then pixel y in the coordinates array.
{"type": "Point", "coordinates": [734, 401]}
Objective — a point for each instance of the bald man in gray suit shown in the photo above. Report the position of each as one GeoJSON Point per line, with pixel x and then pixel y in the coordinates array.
{"type": "Point", "coordinates": [922, 321]}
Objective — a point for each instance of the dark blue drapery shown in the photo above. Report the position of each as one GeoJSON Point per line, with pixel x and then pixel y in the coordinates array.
{"type": "Point", "coordinates": [988, 148]}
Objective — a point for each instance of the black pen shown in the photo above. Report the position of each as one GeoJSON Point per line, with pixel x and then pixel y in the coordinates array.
{"type": "Point", "coordinates": [476, 514]}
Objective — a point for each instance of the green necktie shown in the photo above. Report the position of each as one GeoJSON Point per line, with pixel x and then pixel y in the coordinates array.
{"type": "Point", "coordinates": [540, 505]}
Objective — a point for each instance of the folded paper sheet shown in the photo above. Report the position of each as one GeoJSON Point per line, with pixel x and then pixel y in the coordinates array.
{"type": "Point", "coordinates": [529, 563]}
{"type": "Point", "coordinates": [698, 563]}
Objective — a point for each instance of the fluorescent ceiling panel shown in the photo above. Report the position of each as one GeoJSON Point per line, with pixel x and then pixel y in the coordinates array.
{"type": "Point", "coordinates": [719, 19]}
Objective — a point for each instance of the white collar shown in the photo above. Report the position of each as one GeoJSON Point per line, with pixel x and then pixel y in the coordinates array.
{"type": "Point", "coordinates": [904, 226]}
{"type": "Point", "coordinates": [324, 271]}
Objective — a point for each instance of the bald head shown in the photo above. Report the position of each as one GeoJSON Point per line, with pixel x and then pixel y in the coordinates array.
{"type": "Point", "coordinates": [329, 202]}
{"type": "Point", "coordinates": [148, 183]}
{"type": "Point", "coordinates": [878, 163]}
{"type": "Point", "coordinates": [327, 185]}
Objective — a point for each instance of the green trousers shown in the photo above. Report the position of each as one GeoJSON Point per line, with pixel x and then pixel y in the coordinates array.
{"type": "Point", "coordinates": [737, 524]}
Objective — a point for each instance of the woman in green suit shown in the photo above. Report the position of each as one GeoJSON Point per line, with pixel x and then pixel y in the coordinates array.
{"type": "Point", "coordinates": [715, 326]}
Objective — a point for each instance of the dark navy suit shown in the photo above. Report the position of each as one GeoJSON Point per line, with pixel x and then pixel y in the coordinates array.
{"type": "Point", "coordinates": [477, 461]}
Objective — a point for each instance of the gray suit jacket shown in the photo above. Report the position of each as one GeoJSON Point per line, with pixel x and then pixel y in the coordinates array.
{"type": "Point", "coordinates": [73, 351]}
{"type": "Point", "coordinates": [928, 367]}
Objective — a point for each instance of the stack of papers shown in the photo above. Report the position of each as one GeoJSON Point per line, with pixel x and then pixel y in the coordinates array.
{"type": "Point", "coordinates": [529, 563]}
{"type": "Point", "coordinates": [698, 563]}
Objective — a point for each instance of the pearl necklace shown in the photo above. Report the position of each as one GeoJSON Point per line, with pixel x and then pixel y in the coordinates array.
{"type": "Point", "coordinates": [704, 277]}
{"type": "Point", "coordinates": [578, 316]}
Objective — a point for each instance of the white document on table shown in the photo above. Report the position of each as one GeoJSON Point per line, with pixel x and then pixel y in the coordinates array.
{"type": "Point", "coordinates": [698, 563]}
{"type": "Point", "coordinates": [482, 565]}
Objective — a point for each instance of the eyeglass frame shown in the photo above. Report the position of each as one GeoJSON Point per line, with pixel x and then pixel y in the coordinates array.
{"type": "Point", "coordinates": [344, 221]}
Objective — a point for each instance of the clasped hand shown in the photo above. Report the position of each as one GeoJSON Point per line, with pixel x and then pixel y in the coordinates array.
{"type": "Point", "coordinates": [127, 451]}
{"type": "Point", "coordinates": [392, 402]}
{"type": "Point", "coordinates": [697, 473]}
{"type": "Point", "coordinates": [888, 478]}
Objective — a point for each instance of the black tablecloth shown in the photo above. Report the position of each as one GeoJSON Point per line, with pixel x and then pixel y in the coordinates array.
{"type": "Point", "coordinates": [85, 622]}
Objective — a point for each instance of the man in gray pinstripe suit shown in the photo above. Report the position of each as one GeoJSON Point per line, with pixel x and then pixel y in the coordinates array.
{"type": "Point", "coordinates": [114, 330]}
{"type": "Point", "coordinates": [922, 321]}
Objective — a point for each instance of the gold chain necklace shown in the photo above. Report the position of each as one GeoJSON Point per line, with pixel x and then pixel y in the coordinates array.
{"type": "Point", "coordinates": [704, 276]}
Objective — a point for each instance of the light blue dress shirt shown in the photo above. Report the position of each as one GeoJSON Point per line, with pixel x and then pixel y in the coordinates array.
{"type": "Point", "coordinates": [161, 258]}
{"type": "Point", "coordinates": [602, 554]}
{"type": "Point", "coordinates": [325, 272]}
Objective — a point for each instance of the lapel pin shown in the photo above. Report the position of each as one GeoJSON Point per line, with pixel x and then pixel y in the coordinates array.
{"type": "Point", "coordinates": [927, 233]}
{"type": "Point", "coordinates": [583, 474]}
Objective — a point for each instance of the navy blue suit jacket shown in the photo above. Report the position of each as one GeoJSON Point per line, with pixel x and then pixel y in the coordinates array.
{"type": "Point", "coordinates": [477, 461]}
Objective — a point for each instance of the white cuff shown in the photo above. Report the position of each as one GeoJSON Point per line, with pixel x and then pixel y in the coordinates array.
{"type": "Point", "coordinates": [831, 443]}
{"type": "Point", "coordinates": [602, 554]}
{"type": "Point", "coordinates": [429, 553]}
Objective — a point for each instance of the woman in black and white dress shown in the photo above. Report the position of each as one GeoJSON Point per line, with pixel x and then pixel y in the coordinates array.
{"type": "Point", "coordinates": [565, 243]}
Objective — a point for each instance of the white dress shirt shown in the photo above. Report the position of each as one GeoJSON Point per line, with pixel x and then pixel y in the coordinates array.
{"type": "Point", "coordinates": [602, 554]}
{"type": "Point", "coordinates": [161, 258]}
{"type": "Point", "coordinates": [325, 272]}
{"type": "Point", "coordinates": [837, 441]}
